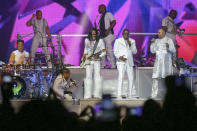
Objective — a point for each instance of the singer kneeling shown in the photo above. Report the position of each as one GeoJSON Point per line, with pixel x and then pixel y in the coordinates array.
{"type": "Point", "coordinates": [64, 86]}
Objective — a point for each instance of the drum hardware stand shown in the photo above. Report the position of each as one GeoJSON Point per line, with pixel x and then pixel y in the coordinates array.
{"type": "Point", "coordinates": [191, 75]}
{"type": "Point", "coordinates": [60, 63]}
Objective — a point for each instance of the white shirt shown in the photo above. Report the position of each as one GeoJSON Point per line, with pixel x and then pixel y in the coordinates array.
{"type": "Point", "coordinates": [171, 27]}
{"type": "Point", "coordinates": [108, 19]}
{"type": "Point", "coordinates": [121, 48]}
{"type": "Point", "coordinates": [169, 23]}
{"type": "Point", "coordinates": [89, 45]}
{"type": "Point", "coordinates": [39, 27]}
{"type": "Point", "coordinates": [163, 63]}
{"type": "Point", "coordinates": [59, 85]}
{"type": "Point", "coordinates": [20, 55]}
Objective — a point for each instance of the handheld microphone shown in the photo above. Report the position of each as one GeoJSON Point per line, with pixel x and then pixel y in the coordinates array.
{"type": "Point", "coordinates": [73, 82]}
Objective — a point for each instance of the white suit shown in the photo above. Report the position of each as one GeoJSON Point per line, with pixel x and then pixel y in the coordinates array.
{"type": "Point", "coordinates": [60, 85]}
{"type": "Point", "coordinates": [121, 48]}
{"type": "Point", "coordinates": [163, 63]}
{"type": "Point", "coordinates": [94, 66]}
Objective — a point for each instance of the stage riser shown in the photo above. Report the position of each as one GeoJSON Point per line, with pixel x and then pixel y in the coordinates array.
{"type": "Point", "coordinates": [142, 81]}
{"type": "Point", "coordinates": [17, 104]}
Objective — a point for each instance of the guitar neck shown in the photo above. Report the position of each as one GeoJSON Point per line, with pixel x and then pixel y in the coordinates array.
{"type": "Point", "coordinates": [98, 53]}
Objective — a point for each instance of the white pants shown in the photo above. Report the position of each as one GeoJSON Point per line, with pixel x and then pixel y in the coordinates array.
{"type": "Point", "coordinates": [35, 44]}
{"type": "Point", "coordinates": [109, 52]}
{"type": "Point", "coordinates": [121, 71]}
{"type": "Point", "coordinates": [158, 90]}
{"type": "Point", "coordinates": [89, 91]}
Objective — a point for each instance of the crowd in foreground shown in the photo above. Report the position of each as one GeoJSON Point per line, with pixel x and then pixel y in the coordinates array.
{"type": "Point", "coordinates": [177, 112]}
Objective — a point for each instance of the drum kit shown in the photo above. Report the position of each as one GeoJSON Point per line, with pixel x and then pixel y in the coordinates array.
{"type": "Point", "coordinates": [31, 81]}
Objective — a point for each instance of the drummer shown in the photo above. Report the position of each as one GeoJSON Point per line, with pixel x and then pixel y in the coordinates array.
{"type": "Point", "coordinates": [19, 56]}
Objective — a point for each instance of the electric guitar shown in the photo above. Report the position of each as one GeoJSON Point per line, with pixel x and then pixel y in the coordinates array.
{"type": "Point", "coordinates": [89, 58]}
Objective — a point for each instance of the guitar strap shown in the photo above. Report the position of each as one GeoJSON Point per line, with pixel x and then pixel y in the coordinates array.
{"type": "Point", "coordinates": [95, 46]}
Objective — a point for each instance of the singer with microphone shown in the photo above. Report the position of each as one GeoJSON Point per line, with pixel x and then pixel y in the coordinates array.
{"type": "Point", "coordinates": [163, 48]}
{"type": "Point", "coordinates": [41, 28]}
{"type": "Point", "coordinates": [65, 87]}
{"type": "Point", "coordinates": [124, 48]}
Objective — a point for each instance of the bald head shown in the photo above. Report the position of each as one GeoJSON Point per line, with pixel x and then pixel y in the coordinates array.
{"type": "Point", "coordinates": [161, 33]}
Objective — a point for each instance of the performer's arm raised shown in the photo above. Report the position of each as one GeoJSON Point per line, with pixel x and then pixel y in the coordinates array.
{"type": "Point", "coordinates": [29, 22]}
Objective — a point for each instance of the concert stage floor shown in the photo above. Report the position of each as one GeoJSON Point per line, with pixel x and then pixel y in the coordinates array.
{"type": "Point", "coordinates": [142, 83]}
{"type": "Point", "coordinates": [79, 106]}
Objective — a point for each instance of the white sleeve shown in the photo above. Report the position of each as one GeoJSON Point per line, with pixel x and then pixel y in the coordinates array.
{"type": "Point", "coordinates": [102, 46]}
{"type": "Point", "coordinates": [153, 47]}
{"type": "Point", "coordinates": [45, 22]}
{"type": "Point", "coordinates": [116, 49]}
{"type": "Point", "coordinates": [56, 85]}
{"type": "Point", "coordinates": [133, 47]}
{"type": "Point", "coordinates": [14, 52]}
{"type": "Point", "coordinates": [164, 22]}
{"type": "Point", "coordinates": [86, 46]}
{"type": "Point", "coordinates": [110, 16]}
{"type": "Point", "coordinates": [171, 46]}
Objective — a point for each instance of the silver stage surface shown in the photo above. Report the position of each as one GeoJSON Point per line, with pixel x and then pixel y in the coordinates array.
{"type": "Point", "coordinates": [142, 80]}
{"type": "Point", "coordinates": [79, 106]}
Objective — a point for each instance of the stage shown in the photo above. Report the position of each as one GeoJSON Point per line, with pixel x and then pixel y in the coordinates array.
{"type": "Point", "coordinates": [142, 84]}
{"type": "Point", "coordinates": [77, 107]}
{"type": "Point", "coordinates": [142, 81]}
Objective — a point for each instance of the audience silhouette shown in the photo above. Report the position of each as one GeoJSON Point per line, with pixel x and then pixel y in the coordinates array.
{"type": "Point", "coordinates": [177, 112]}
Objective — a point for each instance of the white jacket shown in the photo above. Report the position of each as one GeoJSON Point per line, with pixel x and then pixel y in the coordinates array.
{"type": "Point", "coordinates": [121, 48]}
{"type": "Point", "coordinates": [60, 85]}
{"type": "Point", "coordinates": [89, 45]}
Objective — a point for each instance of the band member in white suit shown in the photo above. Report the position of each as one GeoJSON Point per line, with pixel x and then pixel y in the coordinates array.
{"type": "Point", "coordinates": [124, 48]}
{"type": "Point", "coordinates": [93, 44]}
{"type": "Point", "coordinates": [164, 48]}
{"type": "Point", "coordinates": [64, 87]}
